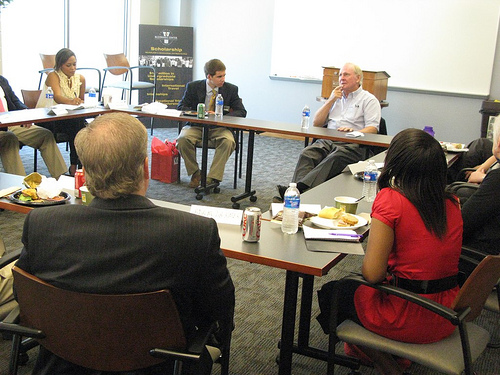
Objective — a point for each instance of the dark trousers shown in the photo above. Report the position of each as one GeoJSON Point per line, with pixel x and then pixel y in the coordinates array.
{"type": "Point", "coordinates": [326, 159]}
{"type": "Point", "coordinates": [345, 307]}
{"type": "Point", "coordinates": [71, 128]}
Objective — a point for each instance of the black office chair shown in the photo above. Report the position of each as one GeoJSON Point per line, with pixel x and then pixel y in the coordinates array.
{"type": "Point", "coordinates": [238, 159]}
{"type": "Point", "coordinates": [382, 130]}
{"type": "Point", "coordinates": [105, 332]}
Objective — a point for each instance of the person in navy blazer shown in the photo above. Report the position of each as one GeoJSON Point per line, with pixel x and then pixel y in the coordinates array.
{"type": "Point", "coordinates": [123, 243]}
{"type": "Point", "coordinates": [201, 92]}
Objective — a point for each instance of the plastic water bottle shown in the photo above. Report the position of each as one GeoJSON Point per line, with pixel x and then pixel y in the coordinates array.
{"type": "Point", "coordinates": [219, 106]}
{"type": "Point", "coordinates": [290, 223]}
{"type": "Point", "coordinates": [370, 181]}
{"type": "Point", "coordinates": [92, 97]}
{"type": "Point", "coordinates": [49, 95]}
{"type": "Point", "coordinates": [306, 115]}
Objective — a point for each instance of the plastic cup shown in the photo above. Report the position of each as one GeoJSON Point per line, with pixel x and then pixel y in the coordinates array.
{"type": "Point", "coordinates": [86, 196]}
{"type": "Point", "coordinates": [349, 204]}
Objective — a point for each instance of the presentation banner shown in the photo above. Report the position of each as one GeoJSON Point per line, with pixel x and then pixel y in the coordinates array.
{"type": "Point", "coordinates": [170, 50]}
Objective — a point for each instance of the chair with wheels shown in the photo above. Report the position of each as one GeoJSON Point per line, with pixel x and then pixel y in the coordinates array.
{"type": "Point", "coordinates": [103, 332]}
{"type": "Point", "coordinates": [30, 98]}
{"type": "Point", "coordinates": [452, 355]}
{"type": "Point", "coordinates": [238, 138]}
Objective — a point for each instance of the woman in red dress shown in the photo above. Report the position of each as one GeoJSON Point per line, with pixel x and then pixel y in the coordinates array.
{"type": "Point", "coordinates": [415, 240]}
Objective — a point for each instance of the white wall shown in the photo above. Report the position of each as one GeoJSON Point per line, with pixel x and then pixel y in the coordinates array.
{"type": "Point", "coordinates": [239, 32]}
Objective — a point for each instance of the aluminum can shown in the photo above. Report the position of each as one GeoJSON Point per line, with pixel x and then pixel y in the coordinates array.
{"type": "Point", "coordinates": [251, 224]}
{"type": "Point", "coordinates": [79, 182]}
{"type": "Point", "coordinates": [201, 110]}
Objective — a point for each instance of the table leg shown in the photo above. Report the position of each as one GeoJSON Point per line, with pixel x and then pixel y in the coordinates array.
{"type": "Point", "coordinates": [287, 345]}
{"type": "Point", "coordinates": [288, 324]}
{"type": "Point", "coordinates": [305, 311]}
{"type": "Point", "coordinates": [203, 188]}
{"type": "Point", "coordinates": [248, 180]}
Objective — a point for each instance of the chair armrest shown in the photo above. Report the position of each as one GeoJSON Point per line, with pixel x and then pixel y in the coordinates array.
{"type": "Point", "coordinates": [9, 257]}
{"type": "Point", "coordinates": [10, 325]}
{"type": "Point", "coordinates": [45, 70]}
{"type": "Point", "coordinates": [195, 347]}
{"type": "Point", "coordinates": [455, 317]}
{"type": "Point", "coordinates": [471, 252]}
{"type": "Point", "coordinates": [462, 172]}
{"type": "Point", "coordinates": [197, 344]}
{"type": "Point", "coordinates": [85, 68]}
{"type": "Point", "coordinates": [116, 67]}
{"type": "Point", "coordinates": [144, 67]}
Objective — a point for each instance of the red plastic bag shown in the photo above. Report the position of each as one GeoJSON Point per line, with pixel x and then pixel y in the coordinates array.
{"type": "Point", "coordinates": [164, 161]}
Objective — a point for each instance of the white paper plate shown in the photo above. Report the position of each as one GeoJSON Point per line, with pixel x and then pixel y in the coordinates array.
{"type": "Point", "coordinates": [450, 147]}
{"type": "Point", "coordinates": [333, 223]}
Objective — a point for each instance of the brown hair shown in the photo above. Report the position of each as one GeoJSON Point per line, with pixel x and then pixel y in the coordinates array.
{"type": "Point", "coordinates": [213, 66]}
{"type": "Point", "coordinates": [112, 150]}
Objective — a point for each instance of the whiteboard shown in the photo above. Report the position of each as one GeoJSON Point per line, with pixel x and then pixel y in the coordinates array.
{"type": "Point", "coordinates": [430, 45]}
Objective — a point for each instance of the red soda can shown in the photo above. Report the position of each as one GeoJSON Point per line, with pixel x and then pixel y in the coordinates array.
{"type": "Point", "coordinates": [251, 224]}
{"type": "Point", "coordinates": [79, 182]}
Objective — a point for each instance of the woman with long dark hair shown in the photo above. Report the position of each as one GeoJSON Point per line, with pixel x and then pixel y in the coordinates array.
{"type": "Point", "coordinates": [415, 242]}
{"type": "Point", "coordinates": [68, 88]}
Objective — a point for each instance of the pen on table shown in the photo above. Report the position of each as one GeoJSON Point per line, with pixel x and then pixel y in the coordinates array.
{"type": "Point", "coordinates": [345, 235]}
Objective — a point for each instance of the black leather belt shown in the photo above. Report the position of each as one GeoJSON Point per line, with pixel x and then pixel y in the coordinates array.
{"type": "Point", "coordinates": [425, 286]}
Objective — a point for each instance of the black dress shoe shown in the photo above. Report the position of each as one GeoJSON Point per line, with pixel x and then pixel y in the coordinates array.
{"type": "Point", "coordinates": [281, 191]}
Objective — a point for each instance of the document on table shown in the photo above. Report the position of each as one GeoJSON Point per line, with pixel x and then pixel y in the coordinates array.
{"type": "Point", "coordinates": [345, 241]}
{"type": "Point", "coordinates": [347, 235]}
{"type": "Point", "coordinates": [220, 215]}
{"type": "Point", "coordinates": [361, 166]}
{"type": "Point", "coordinates": [16, 116]}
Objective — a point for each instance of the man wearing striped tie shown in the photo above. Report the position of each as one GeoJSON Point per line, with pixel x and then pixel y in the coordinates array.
{"type": "Point", "coordinates": [205, 91]}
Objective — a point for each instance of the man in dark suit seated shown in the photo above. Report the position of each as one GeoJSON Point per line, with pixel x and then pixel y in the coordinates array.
{"type": "Point", "coordinates": [205, 91]}
{"type": "Point", "coordinates": [123, 243]}
{"type": "Point", "coordinates": [481, 211]}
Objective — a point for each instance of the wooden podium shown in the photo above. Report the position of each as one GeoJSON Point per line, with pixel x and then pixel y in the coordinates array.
{"type": "Point", "coordinates": [374, 82]}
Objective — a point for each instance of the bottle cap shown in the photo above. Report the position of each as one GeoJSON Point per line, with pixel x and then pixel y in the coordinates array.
{"type": "Point", "coordinates": [293, 184]}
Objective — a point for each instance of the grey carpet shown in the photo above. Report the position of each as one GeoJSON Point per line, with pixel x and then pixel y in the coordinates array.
{"type": "Point", "coordinates": [259, 289]}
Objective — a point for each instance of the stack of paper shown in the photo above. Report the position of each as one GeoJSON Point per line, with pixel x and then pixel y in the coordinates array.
{"type": "Point", "coordinates": [331, 234]}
